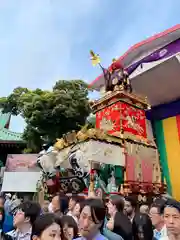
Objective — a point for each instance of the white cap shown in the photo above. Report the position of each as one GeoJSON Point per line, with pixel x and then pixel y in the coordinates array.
{"type": "Point", "coordinates": [8, 195]}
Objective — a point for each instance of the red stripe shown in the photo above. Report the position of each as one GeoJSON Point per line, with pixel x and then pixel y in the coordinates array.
{"type": "Point", "coordinates": [178, 125]}
{"type": "Point", "coordinates": [162, 34]}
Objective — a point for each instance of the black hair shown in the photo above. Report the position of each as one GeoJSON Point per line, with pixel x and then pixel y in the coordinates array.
{"type": "Point", "coordinates": [98, 211]}
{"type": "Point", "coordinates": [132, 201]}
{"type": "Point", "coordinates": [122, 226]}
{"type": "Point", "coordinates": [159, 204]}
{"type": "Point", "coordinates": [118, 201]}
{"type": "Point", "coordinates": [70, 222]}
{"type": "Point", "coordinates": [81, 204]}
{"type": "Point", "coordinates": [43, 222]}
{"type": "Point", "coordinates": [173, 203]}
{"type": "Point", "coordinates": [3, 217]}
{"type": "Point", "coordinates": [73, 198]}
{"type": "Point", "coordinates": [142, 225]}
{"type": "Point", "coordinates": [31, 210]}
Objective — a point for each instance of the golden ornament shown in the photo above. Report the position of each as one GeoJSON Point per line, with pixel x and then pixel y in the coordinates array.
{"type": "Point", "coordinates": [81, 136]}
{"type": "Point", "coordinates": [91, 132]}
{"type": "Point", "coordinates": [60, 144]}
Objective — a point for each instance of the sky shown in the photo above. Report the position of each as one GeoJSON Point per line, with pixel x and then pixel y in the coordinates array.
{"type": "Point", "coordinates": [42, 41]}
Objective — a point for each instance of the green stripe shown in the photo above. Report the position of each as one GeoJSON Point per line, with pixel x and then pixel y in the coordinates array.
{"type": "Point", "coordinates": [159, 135]}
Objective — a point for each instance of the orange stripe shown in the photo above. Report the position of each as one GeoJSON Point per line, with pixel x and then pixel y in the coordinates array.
{"type": "Point", "coordinates": [178, 125]}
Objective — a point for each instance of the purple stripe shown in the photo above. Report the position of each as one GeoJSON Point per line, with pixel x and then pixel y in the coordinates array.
{"type": "Point", "coordinates": [165, 52]}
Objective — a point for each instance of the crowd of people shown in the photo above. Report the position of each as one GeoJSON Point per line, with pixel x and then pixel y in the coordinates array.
{"type": "Point", "coordinates": [115, 218]}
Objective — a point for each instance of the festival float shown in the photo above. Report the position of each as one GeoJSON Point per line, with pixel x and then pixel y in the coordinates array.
{"type": "Point", "coordinates": [118, 156]}
{"type": "Point", "coordinates": [153, 65]}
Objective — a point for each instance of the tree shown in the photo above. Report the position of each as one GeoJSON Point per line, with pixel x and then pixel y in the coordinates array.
{"type": "Point", "coordinates": [49, 114]}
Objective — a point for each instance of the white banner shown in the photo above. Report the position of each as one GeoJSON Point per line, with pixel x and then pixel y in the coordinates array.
{"type": "Point", "coordinates": [92, 150]}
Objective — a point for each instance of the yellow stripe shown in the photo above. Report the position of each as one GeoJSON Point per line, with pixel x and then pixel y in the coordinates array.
{"type": "Point", "coordinates": [173, 153]}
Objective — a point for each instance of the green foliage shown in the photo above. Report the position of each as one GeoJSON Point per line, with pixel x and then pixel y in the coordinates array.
{"type": "Point", "coordinates": [49, 114]}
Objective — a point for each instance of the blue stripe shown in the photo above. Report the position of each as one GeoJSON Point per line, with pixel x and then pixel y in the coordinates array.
{"type": "Point", "coordinates": [164, 111]}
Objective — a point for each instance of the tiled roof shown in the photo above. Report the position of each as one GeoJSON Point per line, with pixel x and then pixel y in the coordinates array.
{"type": "Point", "coordinates": [6, 134]}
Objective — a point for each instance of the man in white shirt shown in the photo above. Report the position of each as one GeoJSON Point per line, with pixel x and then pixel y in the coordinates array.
{"type": "Point", "coordinates": [156, 215]}
{"type": "Point", "coordinates": [172, 220]}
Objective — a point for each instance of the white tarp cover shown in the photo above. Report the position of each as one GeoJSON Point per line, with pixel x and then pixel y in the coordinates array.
{"type": "Point", "coordinates": [93, 150]}
{"type": "Point", "coordinates": [20, 181]}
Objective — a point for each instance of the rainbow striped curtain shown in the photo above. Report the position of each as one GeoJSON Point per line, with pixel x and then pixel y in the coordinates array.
{"type": "Point", "coordinates": [167, 134]}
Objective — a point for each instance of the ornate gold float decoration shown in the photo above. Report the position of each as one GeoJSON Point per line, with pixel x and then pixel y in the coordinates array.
{"type": "Point", "coordinates": [86, 134]}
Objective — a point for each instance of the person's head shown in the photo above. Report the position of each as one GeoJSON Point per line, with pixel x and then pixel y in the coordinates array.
{"type": "Point", "coordinates": [77, 209]}
{"type": "Point", "coordinates": [172, 216]}
{"type": "Point", "coordinates": [142, 227]}
{"type": "Point", "coordinates": [130, 205]}
{"type": "Point", "coordinates": [45, 206]}
{"type": "Point", "coordinates": [1, 202]}
{"type": "Point", "coordinates": [91, 217]}
{"type": "Point", "coordinates": [156, 213]}
{"type": "Point", "coordinates": [69, 226]}
{"type": "Point", "coordinates": [72, 203]}
{"type": "Point", "coordinates": [144, 209]}
{"type": "Point", "coordinates": [55, 203]}
{"type": "Point", "coordinates": [115, 204]}
{"type": "Point", "coordinates": [26, 213]}
{"type": "Point", "coordinates": [47, 227]}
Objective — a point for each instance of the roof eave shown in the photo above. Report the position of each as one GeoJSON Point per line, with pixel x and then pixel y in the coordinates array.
{"type": "Point", "coordinates": [99, 81]}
